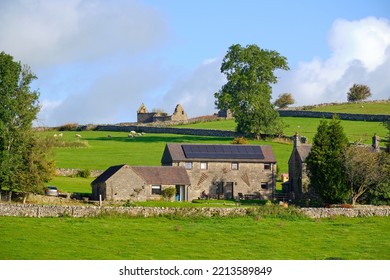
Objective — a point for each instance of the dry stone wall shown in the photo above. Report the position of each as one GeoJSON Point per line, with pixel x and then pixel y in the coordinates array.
{"type": "Point", "coordinates": [33, 210]}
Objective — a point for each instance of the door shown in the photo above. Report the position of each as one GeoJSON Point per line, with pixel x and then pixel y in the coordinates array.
{"type": "Point", "coordinates": [228, 190]}
{"type": "Point", "coordinates": [180, 193]}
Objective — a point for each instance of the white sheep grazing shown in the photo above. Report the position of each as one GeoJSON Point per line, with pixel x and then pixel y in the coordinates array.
{"type": "Point", "coordinates": [78, 135]}
{"type": "Point", "coordinates": [60, 135]}
{"type": "Point", "coordinates": [55, 135]}
{"type": "Point", "coordinates": [130, 135]}
{"type": "Point", "coordinates": [133, 132]}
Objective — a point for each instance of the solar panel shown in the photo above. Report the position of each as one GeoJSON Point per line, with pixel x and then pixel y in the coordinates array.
{"type": "Point", "coordinates": [223, 151]}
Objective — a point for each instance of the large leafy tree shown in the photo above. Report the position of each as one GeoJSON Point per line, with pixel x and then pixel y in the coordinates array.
{"type": "Point", "coordinates": [250, 72]}
{"type": "Point", "coordinates": [325, 162]}
{"type": "Point", "coordinates": [284, 100]}
{"type": "Point", "coordinates": [358, 93]}
{"type": "Point", "coordinates": [24, 163]}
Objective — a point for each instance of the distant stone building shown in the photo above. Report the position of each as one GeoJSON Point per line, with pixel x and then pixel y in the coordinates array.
{"type": "Point", "coordinates": [144, 116]}
{"type": "Point", "coordinates": [227, 114]}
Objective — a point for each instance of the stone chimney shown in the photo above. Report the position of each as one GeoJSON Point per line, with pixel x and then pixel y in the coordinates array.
{"type": "Point", "coordinates": [297, 140]}
{"type": "Point", "coordinates": [375, 142]}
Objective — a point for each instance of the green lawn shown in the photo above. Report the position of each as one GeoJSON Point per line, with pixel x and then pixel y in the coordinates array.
{"type": "Point", "coordinates": [163, 238]}
{"type": "Point", "coordinates": [382, 108]}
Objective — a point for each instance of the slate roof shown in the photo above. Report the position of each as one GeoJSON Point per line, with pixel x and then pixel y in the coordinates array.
{"type": "Point", "coordinates": [107, 174]}
{"type": "Point", "coordinates": [175, 152]}
{"type": "Point", "coordinates": [163, 175]}
{"type": "Point", "coordinates": [158, 175]}
{"type": "Point", "coordinates": [303, 151]}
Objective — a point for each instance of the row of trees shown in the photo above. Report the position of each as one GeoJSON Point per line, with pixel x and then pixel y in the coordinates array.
{"type": "Point", "coordinates": [340, 172]}
{"type": "Point", "coordinates": [25, 161]}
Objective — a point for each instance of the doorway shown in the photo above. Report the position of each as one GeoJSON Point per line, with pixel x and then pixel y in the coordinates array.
{"type": "Point", "coordinates": [180, 193]}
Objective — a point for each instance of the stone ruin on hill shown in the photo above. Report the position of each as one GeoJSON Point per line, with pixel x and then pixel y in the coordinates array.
{"type": "Point", "coordinates": [144, 116]}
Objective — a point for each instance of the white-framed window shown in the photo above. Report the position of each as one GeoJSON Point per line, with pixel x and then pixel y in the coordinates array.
{"type": "Point", "coordinates": [156, 189]}
{"type": "Point", "coordinates": [203, 165]}
{"type": "Point", "coordinates": [234, 166]}
{"type": "Point", "coordinates": [188, 165]}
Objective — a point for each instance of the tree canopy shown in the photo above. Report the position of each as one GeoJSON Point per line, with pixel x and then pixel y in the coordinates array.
{"type": "Point", "coordinates": [250, 72]}
{"type": "Point", "coordinates": [358, 93]}
{"type": "Point", "coordinates": [325, 162]}
{"type": "Point", "coordinates": [24, 163]}
{"type": "Point", "coordinates": [284, 100]}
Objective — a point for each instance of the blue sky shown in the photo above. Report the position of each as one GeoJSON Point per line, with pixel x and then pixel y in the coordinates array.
{"type": "Point", "coordinates": [97, 61]}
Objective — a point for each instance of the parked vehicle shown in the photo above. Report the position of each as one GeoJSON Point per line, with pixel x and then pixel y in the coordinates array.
{"type": "Point", "coordinates": [52, 191]}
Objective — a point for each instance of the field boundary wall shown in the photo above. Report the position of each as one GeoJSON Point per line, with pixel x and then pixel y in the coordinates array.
{"type": "Point", "coordinates": [34, 210]}
{"type": "Point", "coordinates": [328, 115]}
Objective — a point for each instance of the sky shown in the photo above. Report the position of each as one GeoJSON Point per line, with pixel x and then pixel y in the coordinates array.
{"type": "Point", "coordinates": [98, 61]}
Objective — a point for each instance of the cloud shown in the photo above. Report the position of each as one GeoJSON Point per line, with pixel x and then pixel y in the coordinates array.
{"type": "Point", "coordinates": [360, 53]}
{"type": "Point", "coordinates": [195, 91]}
{"type": "Point", "coordinates": [45, 33]}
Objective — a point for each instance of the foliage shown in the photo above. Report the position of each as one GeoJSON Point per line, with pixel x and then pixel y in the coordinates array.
{"type": "Point", "coordinates": [24, 159]}
{"type": "Point", "coordinates": [362, 169]}
{"type": "Point", "coordinates": [324, 162]}
{"type": "Point", "coordinates": [240, 141]}
{"type": "Point", "coordinates": [387, 138]}
{"type": "Point", "coordinates": [250, 73]}
{"type": "Point", "coordinates": [284, 100]}
{"type": "Point", "coordinates": [168, 193]}
{"type": "Point", "coordinates": [68, 127]}
{"type": "Point", "coordinates": [84, 173]}
{"type": "Point", "coordinates": [358, 93]}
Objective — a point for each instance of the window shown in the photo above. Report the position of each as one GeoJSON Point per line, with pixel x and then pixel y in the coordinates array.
{"type": "Point", "coordinates": [156, 189]}
{"type": "Point", "coordinates": [203, 165]}
{"type": "Point", "coordinates": [234, 165]}
{"type": "Point", "coordinates": [267, 166]}
{"type": "Point", "coordinates": [264, 186]}
{"type": "Point", "coordinates": [188, 165]}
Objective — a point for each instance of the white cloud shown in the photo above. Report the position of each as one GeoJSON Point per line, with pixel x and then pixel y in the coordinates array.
{"type": "Point", "coordinates": [195, 91]}
{"type": "Point", "coordinates": [42, 33]}
{"type": "Point", "coordinates": [360, 53]}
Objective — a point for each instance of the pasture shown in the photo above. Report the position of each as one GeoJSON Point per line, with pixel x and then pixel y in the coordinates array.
{"type": "Point", "coordinates": [168, 238]}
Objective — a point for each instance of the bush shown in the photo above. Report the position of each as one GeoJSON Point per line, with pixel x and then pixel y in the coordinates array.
{"type": "Point", "coordinates": [85, 173]}
{"type": "Point", "coordinates": [68, 127]}
{"type": "Point", "coordinates": [240, 141]}
{"type": "Point", "coordinates": [168, 193]}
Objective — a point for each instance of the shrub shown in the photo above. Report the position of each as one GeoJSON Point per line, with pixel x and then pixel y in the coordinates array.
{"type": "Point", "coordinates": [68, 127]}
{"type": "Point", "coordinates": [84, 173]}
{"type": "Point", "coordinates": [168, 193]}
{"type": "Point", "coordinates": [240, 141]}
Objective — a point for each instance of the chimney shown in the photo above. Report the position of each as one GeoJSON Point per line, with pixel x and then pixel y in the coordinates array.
{"type": "Point", "coordinates": [297, 141]}
{"type": "Point", "coordinates": [375, 142]}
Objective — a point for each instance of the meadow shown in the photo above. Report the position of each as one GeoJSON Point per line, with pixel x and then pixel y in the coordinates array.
{"type": "Point", "coordinates": [99, 151]}
{"type": "Point", "coordinates": [167, 238]}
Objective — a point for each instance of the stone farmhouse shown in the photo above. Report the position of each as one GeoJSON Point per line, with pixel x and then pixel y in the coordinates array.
{"type": "Point", "coordinates": [196, 171]}
{"type": "Point", "coordinates": [144, 116]}
{"type": "Point", "coordinates": [123, 182]}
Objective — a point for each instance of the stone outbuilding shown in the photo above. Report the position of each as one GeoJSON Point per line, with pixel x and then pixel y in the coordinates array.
{"type": "Point", "coordinates": [140, 183]}
{"type": "Point", "coordinates": [225, 171]}
{"type": "Point", "coordinates": [298, 182]}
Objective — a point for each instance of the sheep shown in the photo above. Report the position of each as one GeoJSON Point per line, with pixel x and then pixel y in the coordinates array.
{"type": "Point", "coordinates": [55, 135]}
{"type": "Point", "coordinates": [78, 135]}
{"type": "Point", "coordinates": [60, 135]}
{"type": "Point", "coordinates": [130, 135]}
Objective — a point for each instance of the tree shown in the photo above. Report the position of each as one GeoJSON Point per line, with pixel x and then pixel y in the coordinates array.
{"type": "Point", "coordinates": [23, 157]}
{"type": "Point", "coordinates": [168, 193]}
{"type": "Point", "coordinates": [324, 162]}
{"type": "Point", "coordinates": [284, 100]}
{"type": "Point", "coordinates": [247, 93]}
{"type": "Point", "coordinates": [362, 170]}
{"type": "Point", "coordinates": [358, 93]}
{"type": "Point", "coordinates": [387, 138]}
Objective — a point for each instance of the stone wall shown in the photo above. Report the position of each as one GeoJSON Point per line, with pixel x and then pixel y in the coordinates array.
{"type": "Point", "coordinates": [75, 171]}
{"type": "Point", "coordinates": [170, 130]}
{"type": "Point", "coordinates": [33, 210]}
{"type": "Point", "coordinates": [328, 115]}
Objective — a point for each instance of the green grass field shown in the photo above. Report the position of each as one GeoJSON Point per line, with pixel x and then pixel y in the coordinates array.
{"type": "Point", "coordinates": [244, 238]}
{"type": "Point", "coordinates": [380, 108]}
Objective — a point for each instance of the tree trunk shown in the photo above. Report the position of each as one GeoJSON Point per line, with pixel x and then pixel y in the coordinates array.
{"type": "Point", "coordinates": [9, 195]}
